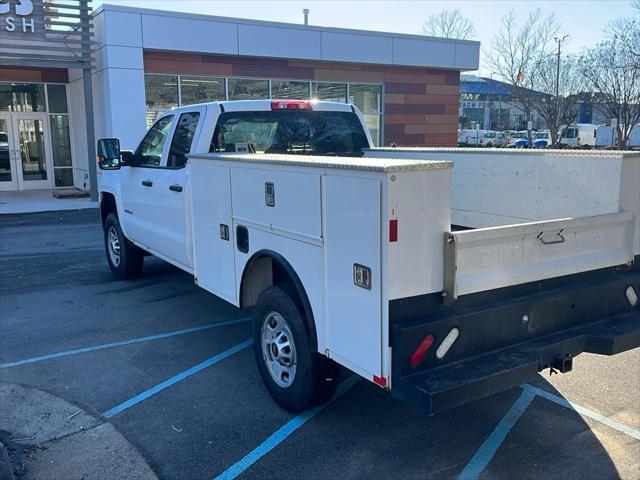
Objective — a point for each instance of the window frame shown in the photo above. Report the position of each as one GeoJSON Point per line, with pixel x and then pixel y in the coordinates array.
{"type": "Point", "coordinates": [175, 122]}
{"type": "Point", "coordinates": [165, 146]}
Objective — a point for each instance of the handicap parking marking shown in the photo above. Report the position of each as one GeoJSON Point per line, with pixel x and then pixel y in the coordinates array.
{"type": "Point", "coordinates": [282, 434]}
{"type": "Point", "coordinates": [175, 379]}
{"type": "Point", "coordinates": [132, 341]}
{"type": "Point", "coordinates": [488, 449]}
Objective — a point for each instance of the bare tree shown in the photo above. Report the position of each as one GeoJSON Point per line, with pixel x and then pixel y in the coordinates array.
{"type": "Point", "coordinates": [567, 80]}
{"type": "Point", "coordinates": [449, 24]}
{"type": "Point", "coordinates": [613, 70]}
{"type": "Point", "coordinates": [517, 53]}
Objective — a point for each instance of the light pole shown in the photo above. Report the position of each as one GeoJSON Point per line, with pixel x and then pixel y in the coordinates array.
{"type": "Point", "coordinates": [559, 42]}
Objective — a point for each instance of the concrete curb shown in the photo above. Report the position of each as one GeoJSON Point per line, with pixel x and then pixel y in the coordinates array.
{"type": "Point", "coordinates": [65, 441]}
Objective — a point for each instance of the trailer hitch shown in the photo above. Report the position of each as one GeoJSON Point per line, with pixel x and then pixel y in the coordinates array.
{"type": "Point", "coordinates": [562, 364]}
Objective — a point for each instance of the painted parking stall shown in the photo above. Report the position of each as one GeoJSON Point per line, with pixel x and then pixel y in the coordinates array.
{"type": "Point", "coordinates": [186, 393]}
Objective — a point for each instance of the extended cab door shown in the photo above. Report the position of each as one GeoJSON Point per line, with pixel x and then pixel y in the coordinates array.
{"type": "Point", "coordinates": [170, 190]}
{"type": "Point", "coordinates": [138, 185]}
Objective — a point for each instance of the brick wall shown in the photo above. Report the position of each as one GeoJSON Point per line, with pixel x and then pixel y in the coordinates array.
{"type": "Point", "coordinates": [420, 104]}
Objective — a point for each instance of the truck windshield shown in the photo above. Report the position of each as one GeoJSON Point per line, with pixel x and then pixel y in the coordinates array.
{"type": "Point", "coordinates": [302, 132]}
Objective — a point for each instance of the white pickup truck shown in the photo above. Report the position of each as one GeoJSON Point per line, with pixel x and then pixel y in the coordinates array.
{"type": "Point", "coordinates": [347, 254]}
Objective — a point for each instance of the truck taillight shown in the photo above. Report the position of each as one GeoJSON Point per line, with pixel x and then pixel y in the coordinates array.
{"type": "Point", "coordinates": [291, 105]}
{"type": "Point", "coordinates": [421, 351]}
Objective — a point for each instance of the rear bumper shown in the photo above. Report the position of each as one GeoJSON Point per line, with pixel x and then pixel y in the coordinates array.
{"type": "Point", "coordinates": [497, 349]}
{"type": "Point", "coordinates": [461, 382]}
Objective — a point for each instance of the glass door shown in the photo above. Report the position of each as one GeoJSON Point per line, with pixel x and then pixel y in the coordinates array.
{"type": "Point", "coordinates": [32, 154]}
{"type": "Point", "coordinates": [8, 177]}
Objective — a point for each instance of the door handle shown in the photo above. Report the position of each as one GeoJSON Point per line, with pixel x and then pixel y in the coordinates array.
{"type": "Point", "coordinates": [175, 188]}
{"type": "Point", "coordinates": [147, 183]}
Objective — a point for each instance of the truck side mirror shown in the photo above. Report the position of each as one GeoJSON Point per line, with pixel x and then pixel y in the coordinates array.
{"type": "Point", "coordinates": [109, 153]}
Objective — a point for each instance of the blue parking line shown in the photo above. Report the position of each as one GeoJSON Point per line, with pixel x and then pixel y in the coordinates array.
{"type": "Point", "coordinates": [122, 343]}
{"type": "Point", "coordinates": [175, 379]}
{"type": "Point", "coordinates": [632, 432]}
{"type": "Point", "coordinates": [281, 434]}
{"type": "Point", "coordinates": [488, 449]}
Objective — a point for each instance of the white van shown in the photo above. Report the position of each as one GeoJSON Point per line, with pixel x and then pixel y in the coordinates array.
{"type": "Point", "coordinates": [580, 135]}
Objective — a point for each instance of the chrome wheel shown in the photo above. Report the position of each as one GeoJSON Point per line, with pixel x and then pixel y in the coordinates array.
{"type": "Point", "coordinates": [278, 349]}
{"type": "Point", "coordinates": [113, 243]}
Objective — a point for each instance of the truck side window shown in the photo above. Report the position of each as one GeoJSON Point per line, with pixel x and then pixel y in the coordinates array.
{"type": "Point", "coordinates": [182, 139]}
{"type": "Point", "coordinates": [150, 149]}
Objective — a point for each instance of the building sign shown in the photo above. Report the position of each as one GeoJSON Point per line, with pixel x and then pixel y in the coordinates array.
{"type": "Point", "coordinates": [18, 16]}
{"type": "Point", "coordinates": [477, 104]}
{"type": "Point", "coordinates": [46, 33]}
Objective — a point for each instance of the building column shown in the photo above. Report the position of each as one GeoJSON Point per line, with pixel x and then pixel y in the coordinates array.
{"type": "Point", "coordinates": [118, 79]}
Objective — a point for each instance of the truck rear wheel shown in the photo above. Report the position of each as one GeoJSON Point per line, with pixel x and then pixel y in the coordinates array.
{"type": "Point", "coordinates": [124, 258]}
{"type": "Point", "coordinates": [296, 377]}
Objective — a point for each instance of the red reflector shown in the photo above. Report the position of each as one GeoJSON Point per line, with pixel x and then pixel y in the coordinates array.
{"type": "Point", "coordinates": [393, 230]}
{"type": "Point", "coordinates": [291, 105]}
{"type": "Point", "coordinates": [421, 351]}
{"type": "Point", "coordinates": [380, 381]}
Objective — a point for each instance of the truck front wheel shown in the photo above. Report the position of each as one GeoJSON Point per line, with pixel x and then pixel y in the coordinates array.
{"type": "Point", "coordinates": [296, 377]}
{"type": "Point", "coordinates": [124, 258]}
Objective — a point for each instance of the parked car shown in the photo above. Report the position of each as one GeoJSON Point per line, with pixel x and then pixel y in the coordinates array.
{"type": "Point", "coordinates": [5, 158]}
{"type": "Point", "coordinates": [471, 138]}
{"type": "Point", "coordinates": [519, 139]}
{"type": "Point", "coordinates": [494, 139]}
{"type": "Point", "coordinates": [542, 139]}
{"type": "Point", "coordinates": [582, 135]}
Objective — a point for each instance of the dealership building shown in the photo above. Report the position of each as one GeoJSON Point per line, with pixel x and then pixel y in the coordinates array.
{"type": "Point", "coordinates": [135, 63]}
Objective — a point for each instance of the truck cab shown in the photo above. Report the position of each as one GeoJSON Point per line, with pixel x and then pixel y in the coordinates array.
{"type": "Point", "coordinates": [151, 185]}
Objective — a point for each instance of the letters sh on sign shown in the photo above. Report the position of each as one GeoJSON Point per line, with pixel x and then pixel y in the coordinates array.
{"type": "Point", "coordinates": [17, 16]}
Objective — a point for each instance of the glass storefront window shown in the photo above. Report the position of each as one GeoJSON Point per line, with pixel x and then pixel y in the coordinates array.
{"type": "Point", "coordinates": [161, 91]}
{"type": "Point", "coordinates": [201, 89]}
{"type": "Point", "coordinates": [285, 89]}
{"type": "Point", "coordinates": [63, 177]}
{"type": "Point", "coordinates": [22, 97]}
{"type": "Point", "coordinates": [57, 97]}
{"type": "Point", "coordinates": [248, 89]}
{"type": "Point", "coordinates": [5, 96]}
{"type": "Point", "coordinates": [332, 92]}
{"type": "Point", "coordinates": [60, 140]}
{"type": "Point", "coordinates": [368, 98]}
{"type": "Point", "coordinates": [373, 124]}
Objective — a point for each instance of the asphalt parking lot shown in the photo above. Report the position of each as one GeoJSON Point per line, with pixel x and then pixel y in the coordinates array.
{"type": "Point", "coordinates": [170, 367]}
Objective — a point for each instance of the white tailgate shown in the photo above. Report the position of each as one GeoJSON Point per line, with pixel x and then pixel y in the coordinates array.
{"type": "Point", "coordinates": [489, 258]}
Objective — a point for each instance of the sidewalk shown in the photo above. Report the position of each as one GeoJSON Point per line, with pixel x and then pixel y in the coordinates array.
{"type": "Point", "coordinates": [40, 201]}
{"type": "Point", "coordinates": [49, 438]}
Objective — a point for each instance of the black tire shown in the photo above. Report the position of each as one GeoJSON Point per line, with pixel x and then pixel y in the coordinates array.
{"type": "Point", "coordinates": [131, 257]}
{"type": "Point", "coordinates": [315, 378]}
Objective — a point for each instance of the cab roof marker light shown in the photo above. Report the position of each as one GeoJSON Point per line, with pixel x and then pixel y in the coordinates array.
{"type": "Point", "coordinates": [291, 105]}
{"type": "Point", "coordinates": [448, 341]}
{"type": "Point", "coordinates": [632, 296]}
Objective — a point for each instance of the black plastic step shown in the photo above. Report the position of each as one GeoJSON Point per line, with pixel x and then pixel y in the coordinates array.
{"type": "Point", "coordinates": [463, 381]}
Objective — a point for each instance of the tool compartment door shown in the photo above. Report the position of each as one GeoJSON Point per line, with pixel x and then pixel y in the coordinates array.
{"type": "Point", "coordinates": [213, 235]}
{"type": "Point", "coordinates": [351, 230]}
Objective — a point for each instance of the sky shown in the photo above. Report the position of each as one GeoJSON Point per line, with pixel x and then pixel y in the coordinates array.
{"type": "Point", "coordinates": [582, 20]}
